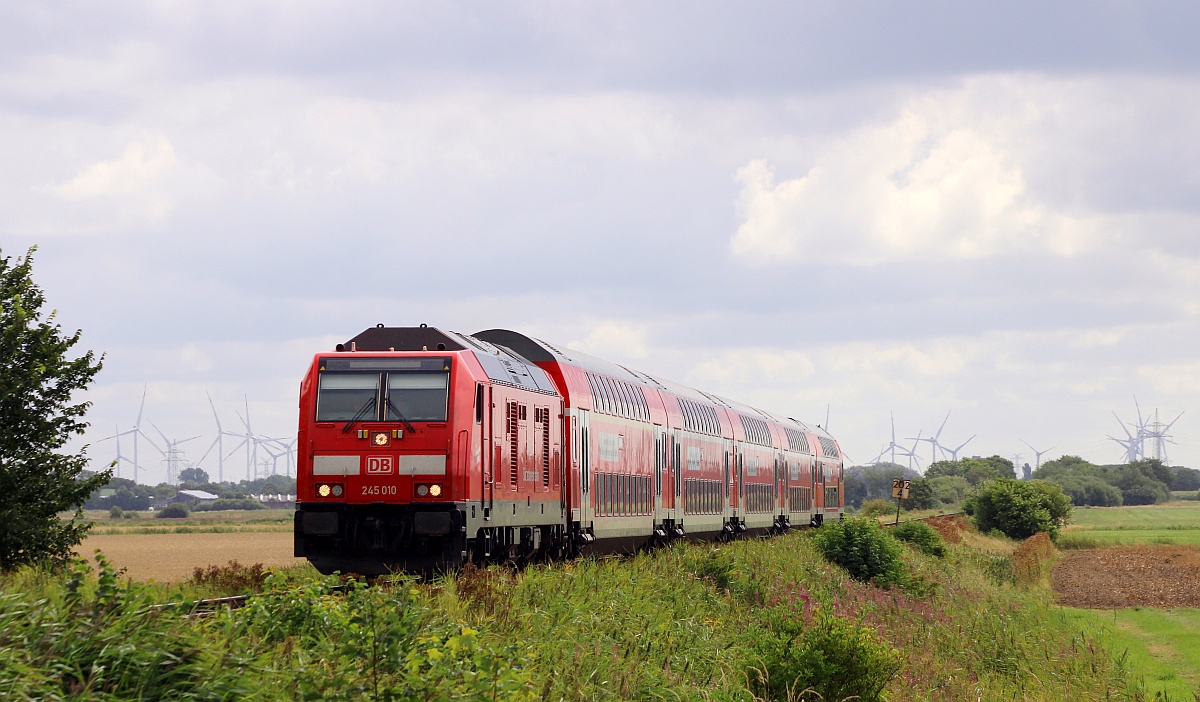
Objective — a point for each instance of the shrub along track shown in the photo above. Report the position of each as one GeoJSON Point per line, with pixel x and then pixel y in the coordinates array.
{"type": "Point", "coordinates": [1119, 577]}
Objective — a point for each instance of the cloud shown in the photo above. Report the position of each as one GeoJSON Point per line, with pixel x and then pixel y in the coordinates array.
{"type": "Point", "coordinates": [943, 180]}
{"type": "Point", "coordinates": [142, 167]}
{"type": "Point", "coordinates": [614, 340]}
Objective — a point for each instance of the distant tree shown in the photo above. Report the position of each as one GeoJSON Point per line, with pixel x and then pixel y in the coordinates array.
{"type": "Point", "coordinates": [1026, 472]}
{"type": "Point", "coordinates": [873, 482]}
{"type": "Point", "coordinates": [1020, 509]}
{"type": "Point", "coordinates": [272, 484]}
{"type": "Point", "coordinates": [1088, 490]}
{"type": "Point", "coordinates": [37, 418]}
{"type": "Point", "coordinates": [921, 495]}
{"type": "Point", "coordinates": [193, 474]}
{"type": "Point", "coordinates": [126, 494]}
{"type": "Point", "coordinates": [1185, 478]}
{"type": "Point", "coordinates": [1068, 465]}
{"type": "Point", "coordinates": [1154, 469]}
{"type": "Point", "coordinates": [975, 470]}
{"type": "Point", "coordinates": [950, 489]}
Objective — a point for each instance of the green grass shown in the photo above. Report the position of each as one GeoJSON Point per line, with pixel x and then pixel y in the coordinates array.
{"type": "Point", "coordinates": [1162, 646]}
{"type": "Point", "coordinates": [1178, 514]}
{"type": "Point", "coordinates": [1172, 523]}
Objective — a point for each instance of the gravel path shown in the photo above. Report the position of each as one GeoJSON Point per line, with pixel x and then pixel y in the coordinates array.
{"type": "Point", "coordinates": [1162, 576]}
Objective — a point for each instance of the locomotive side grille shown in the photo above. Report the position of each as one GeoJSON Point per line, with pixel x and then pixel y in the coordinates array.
{"type": "Point", "coordinates": [545, 415]}
{"type": "Point", "coordinates": [513, 411]}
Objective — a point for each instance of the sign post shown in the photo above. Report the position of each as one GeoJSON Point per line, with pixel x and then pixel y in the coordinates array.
{"type": "Point", "coordinates": [900, 488]}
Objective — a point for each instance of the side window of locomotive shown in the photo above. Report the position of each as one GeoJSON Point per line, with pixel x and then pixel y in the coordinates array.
{"type": "Point", "coordinates": [420, 397]}
{"type": "Point", "coordinates": [345, 396]}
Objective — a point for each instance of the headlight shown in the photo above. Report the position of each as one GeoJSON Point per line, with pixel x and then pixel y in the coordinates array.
{"type": "Point", "coordinates": [435, 490]}
{"type": "Point", "coordinates": [324, 490]}
{"type": "Point", "coordinates": [327, 489]}
{"type": "Point", "coordinates": [337, 490]}
{"type": "Point", "coordinates": [422, 490]}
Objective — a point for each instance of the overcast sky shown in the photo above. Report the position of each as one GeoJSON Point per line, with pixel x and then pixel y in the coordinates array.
{"type": "Point", "coordinates": [988, 208]}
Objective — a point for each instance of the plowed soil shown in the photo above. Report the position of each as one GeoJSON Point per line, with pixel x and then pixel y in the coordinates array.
{"type": "Point", "coordinates": [1165, 576]}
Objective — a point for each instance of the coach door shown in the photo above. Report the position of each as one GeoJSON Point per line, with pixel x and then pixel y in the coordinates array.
{"type": "Point", "coordinates": [677, 506]}
{"type": "Point", "coordinates": [584, 452]}
{"type": "Point", "coordinates": [489, 457]}
{"type": "Point", "coordinates": [660, 467]}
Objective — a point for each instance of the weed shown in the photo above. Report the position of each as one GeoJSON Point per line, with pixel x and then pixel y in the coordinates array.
{"type": "Point", "coordinates": [231, 579]}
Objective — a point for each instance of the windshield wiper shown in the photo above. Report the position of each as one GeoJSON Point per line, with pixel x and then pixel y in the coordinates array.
{"type": "Point", "coordinates": [359, 415]}
{"type": "Point", "coordinates": [407, 424]}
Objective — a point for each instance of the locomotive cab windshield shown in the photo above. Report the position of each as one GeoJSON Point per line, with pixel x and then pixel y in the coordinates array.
{"type": "Point", "coordinates": [383, 389]}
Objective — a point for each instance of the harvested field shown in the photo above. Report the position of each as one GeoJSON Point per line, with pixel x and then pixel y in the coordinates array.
{"type": "Point", "coordinates": [1163, 576]}
{"type": "Point", "coordinates": [173, 557]}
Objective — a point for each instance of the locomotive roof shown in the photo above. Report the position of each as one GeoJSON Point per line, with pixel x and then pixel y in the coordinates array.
{"type": "Point", "coordinates": [500, 364]}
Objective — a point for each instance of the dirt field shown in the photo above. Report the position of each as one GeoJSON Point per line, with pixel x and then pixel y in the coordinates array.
{"type": "Point", "coordinates": [173, 557]}
{"type": "Point", "coordinates": [1129, 576]}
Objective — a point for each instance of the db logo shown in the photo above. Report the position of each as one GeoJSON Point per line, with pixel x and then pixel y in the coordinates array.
{"type": "Point", "coordinates": [378, 465]}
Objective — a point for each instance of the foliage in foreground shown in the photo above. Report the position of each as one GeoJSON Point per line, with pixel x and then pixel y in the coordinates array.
{"type": "Point", "coordinates": [37, 418]}
{"type": "Point", "coordinates": [1019, 509]}
{"type": "Point", "coordinates": [743, 621]}
{"type": "Point", "coordinates": [864, 549]}
{"type": "Point", "coordinates": [923, 537]}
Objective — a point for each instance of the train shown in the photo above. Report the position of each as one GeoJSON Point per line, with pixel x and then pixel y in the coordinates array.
{"type": "Point", "coordinates": [422, 450]}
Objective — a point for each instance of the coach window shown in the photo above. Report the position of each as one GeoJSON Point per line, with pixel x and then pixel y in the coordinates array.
{"type": "Point", "coordinates": [417, 397]}
{"type": "Point", "coordinates": [345, 396]}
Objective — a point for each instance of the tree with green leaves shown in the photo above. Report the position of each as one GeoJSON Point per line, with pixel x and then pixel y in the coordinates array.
{"type": "Point", "coordinates": [37, 418]}
{"type": "Point", "coordinates": [1019, 509]}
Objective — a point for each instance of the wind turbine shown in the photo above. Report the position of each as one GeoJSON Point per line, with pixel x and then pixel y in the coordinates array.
{"type": "Point", "coordinates": [953, 453]}
{"type": "Point", "coordinates": [120, 456]}
{"type": "Point", "coordinates": [933, 441]}
{"type": "Point", "coordinates": [135, 431]}
{"type": "Point", "coordinates": [891, 447]}
{"type": "Point", "coordinates": [219, 443]}
{"type": "Point", "coordinates": [250, 441]}
{"type": "Point", "coordinates": [1132, 443]}
{"type": "Point", "coordinates": [1038, 454]}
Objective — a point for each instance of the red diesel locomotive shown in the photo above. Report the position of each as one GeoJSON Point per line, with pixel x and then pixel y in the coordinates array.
{"type": "Point", "coordinates": [422, 449]}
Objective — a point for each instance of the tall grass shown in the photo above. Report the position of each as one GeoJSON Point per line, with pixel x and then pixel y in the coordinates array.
{"type": "Point", "coordinates": [689, 622]}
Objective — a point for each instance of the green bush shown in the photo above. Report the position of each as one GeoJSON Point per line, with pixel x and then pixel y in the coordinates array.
{"type": "Point", "coordinates": [877, 508]}
{"type": "Point", "coordinates": [862, 547]}
{"type": "Point", "coordinates": [794, 655]}
{"type": "Point", "coordinates": [116, 512]}
{"type": "Point", "coordinates": [1019, 509]}
{"type": "Point", "coordinates": [175, 510]}
{"type": "Point", "coordinates": [925, 538]}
